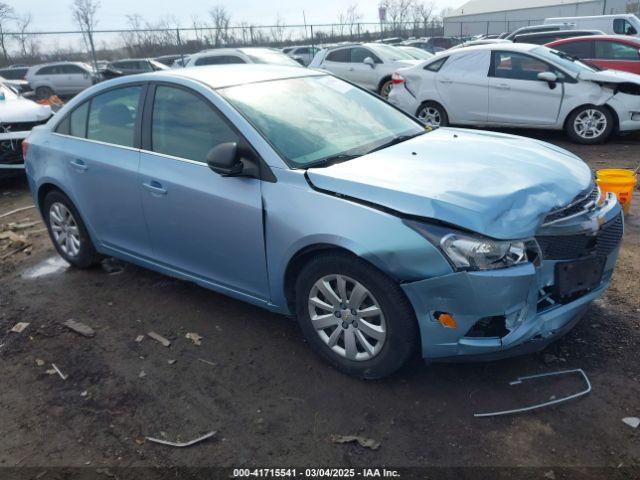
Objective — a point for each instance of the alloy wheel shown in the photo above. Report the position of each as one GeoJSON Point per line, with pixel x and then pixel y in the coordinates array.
{"type": "Point", "coordinates": [65, 229]}
{"type": "Point", "coordinates": [590, 124]}
{"type": "Point", "coordinates": [386, 90]}
{"type": "Point", "coordinates": [347, 317]}
{"type": "Point", "coordinates": [430, 116]}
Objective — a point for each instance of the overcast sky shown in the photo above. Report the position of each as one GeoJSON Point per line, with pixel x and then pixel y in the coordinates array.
{"type": "Point", "coordinates": [55, 14]}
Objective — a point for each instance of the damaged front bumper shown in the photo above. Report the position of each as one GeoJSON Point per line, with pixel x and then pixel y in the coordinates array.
{"type": "Point", "coordinates": [11, 150]}
{"type": "Point", "coordinates": [507, 312]}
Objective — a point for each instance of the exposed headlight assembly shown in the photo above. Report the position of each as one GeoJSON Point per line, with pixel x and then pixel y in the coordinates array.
{"type": "Point", "coordinates": [474, 252]}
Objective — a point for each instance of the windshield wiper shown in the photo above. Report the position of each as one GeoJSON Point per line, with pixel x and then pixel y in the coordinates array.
{"type": "Point", "coordinates": [333, 159]}
{"type": "Point", "coordinates": [396, 140]}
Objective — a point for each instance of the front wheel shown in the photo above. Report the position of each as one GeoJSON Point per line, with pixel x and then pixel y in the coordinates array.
{"type": "Point", "coordinates": [42, 93]}
{"type": "Point", "coordinates": [590, 124]}
{"type": "Point", "coordinates": [354, 316]}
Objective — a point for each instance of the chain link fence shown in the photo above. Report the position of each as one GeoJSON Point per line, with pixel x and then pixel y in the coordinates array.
{"type": "Point", "coordinates": [39, 47]}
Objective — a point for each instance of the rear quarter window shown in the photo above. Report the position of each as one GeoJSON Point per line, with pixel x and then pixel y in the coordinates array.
{"type": "Point", "coordinates": [437, 65]}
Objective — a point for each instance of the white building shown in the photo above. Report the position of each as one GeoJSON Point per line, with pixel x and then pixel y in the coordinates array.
{"type": "Point", "coordinates": [497, 16]}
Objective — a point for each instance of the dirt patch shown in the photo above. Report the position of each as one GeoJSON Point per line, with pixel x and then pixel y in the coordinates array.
{"type": "Point", "coordinates": [272, 402]}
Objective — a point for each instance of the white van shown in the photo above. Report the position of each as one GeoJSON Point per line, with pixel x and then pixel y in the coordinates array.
{"type": "Point", "coordinates": [623, 24]}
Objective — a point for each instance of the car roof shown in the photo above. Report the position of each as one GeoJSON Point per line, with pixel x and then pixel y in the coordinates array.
{"type": "Point", "coordinates": [221, 76]}
{"type": "Point", "coordinates": [618, 38]}
{"type": "Point", "coordinates": [506, 46]}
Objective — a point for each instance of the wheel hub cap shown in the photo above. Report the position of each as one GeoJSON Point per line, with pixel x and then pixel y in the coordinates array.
{"type": "Point", "coordinates": [590, 123]}
{"type": "Point", "coordinates": [64, 229]}
{"type": "Point", "coordinates": [347, 317]}
{"type": "Point", "coordinates": [430, 116]}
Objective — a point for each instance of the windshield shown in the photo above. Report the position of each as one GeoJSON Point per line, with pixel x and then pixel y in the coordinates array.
{"type": "Point", "coordinates": [270, 57]}
{"type": "Point", "coordinates": [312, 119]}
{"type": "Point", "coordinates": [563, 60]}
{"type": "Point", "coordinates": [390, 53]}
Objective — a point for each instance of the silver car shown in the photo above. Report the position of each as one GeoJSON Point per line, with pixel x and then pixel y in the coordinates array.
{"type": "Point", "coordinates": [62, 78]}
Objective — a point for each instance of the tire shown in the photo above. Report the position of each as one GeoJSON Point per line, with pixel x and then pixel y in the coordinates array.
{"type": "Point", "coordinates": [396, 320]}
{"type": "Point", "coordinates": [79, 252]}
{"type": "Point", "coordinates": [433, 114]}
{"type": "Point", "coordinates": [43, 93]}
{"type": "Point", "coordinates": [590, 124]}
{"type": "Point", "coordinates": [385, 89]}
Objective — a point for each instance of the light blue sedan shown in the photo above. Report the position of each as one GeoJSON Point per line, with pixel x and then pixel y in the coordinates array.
{"type": "Point", "coordinates": [308, 196]}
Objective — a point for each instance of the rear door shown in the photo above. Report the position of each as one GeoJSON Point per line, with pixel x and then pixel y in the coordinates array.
{"type": "Point", "coordinates": [76, 78]}
{"type": "Point", "coordinates": [100, 150]}
{"type": "Point", "coordinates": [462, 85]}
{"type": "Point", "coordinates": [337, 62]}
{"type": "Point", "coordinates": [516, 96]}
{"type": "Point", "coordinates": [200, 223]}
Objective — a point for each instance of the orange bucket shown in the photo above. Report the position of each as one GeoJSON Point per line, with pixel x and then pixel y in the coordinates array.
{"type": "Point", "coordinates": [619, 181]}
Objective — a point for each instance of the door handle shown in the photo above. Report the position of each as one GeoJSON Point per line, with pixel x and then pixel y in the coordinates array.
{"type": "Point", "coordinates": [155, 187]}
{"type": "Point", "coordinates": [503, 86]}
{"type": "Point", "coordinates": [351, 69]}
{"type": "Point", "coordinates": [79, 165]}
{"type": "Point", "coordinates": [445, 80]}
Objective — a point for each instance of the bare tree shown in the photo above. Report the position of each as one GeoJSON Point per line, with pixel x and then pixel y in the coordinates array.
{"type": "Point", "coordinates": [399, 13]}
{"type": "Point", "coordinates": [25, 41]}
{"type": "Point", "coordinates": [277, 30]}
{"type": "Point", "coordinates": [423, 14]}
{"type": "Point", "coordinates": [221, 22]}
{"type": "Point", "coordinates": [6, 15]}
{"type": "Point", "coordinates": [84, 14]}
{"type": "Point", "coordinates": [353, 17]}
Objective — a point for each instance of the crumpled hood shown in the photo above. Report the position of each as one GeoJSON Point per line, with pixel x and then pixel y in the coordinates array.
{"type": "Point", "coordinates": [610, 76]}
{"type": "Point", "coordinates": [18, 110]}
{"type": "Point", "coordinates": [495, 184]}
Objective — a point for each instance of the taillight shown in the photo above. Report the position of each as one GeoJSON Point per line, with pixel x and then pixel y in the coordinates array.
{"type": "Point", "coordinates": [25, 147]}
{"type": "Point", "coordinates": [397, 79]}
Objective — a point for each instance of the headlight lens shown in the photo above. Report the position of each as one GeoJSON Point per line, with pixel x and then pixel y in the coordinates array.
{"type": "Point", "coordinates": [471, 252]}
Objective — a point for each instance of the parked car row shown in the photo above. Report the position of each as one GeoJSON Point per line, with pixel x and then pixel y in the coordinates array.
{"type": "Point", "coordinates": [519, 85]}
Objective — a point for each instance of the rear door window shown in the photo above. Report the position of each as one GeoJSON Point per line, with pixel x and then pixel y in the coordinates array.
{"type": "Point", "coordinates": [577, 49]}
{"type": "Point", "coordinates": [185, 125]}
{"type": "Point", "coordinates": [112, 116]}
{"type": "Point", "coordinates": [343, 55]}
{"type": "Point", "coordinates": [616, 51]}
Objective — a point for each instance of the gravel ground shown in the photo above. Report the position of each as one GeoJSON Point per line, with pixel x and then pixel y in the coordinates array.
{"type": "Point", "coordinates": [271, 401]}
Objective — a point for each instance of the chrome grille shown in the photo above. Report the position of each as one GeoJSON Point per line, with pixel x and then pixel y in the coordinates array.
{"type": "Point", "coordinates": [578, 205]}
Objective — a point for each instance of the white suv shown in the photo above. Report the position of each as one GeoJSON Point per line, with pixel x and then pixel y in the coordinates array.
{"type": "Point", "coordinates": [62, 78]}
{"type": "Point", "coordinates": [369, 65]}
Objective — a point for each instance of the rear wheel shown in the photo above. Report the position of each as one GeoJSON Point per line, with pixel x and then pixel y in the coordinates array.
{"type": "Point", "coordinates": [44, 93]}
{"type": "Point", "coordinates": [67, 231]}
{"type": "Point", "coordinates": [385, 89]}
{"type": "Point", "coordinates": [354, 316]}
{"type": "Point", "coordinates": [590, 124]}
{"type": "Point", "coordinates": [432, 114]}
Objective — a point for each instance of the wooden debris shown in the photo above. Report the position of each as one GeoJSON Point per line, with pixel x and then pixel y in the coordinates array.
{"type": "Point", "coordinates": [159, 338]}
{"type": "Point", "coordinates": [80, 328]}
{"type": "Point", "coordinates": [19, 327]}
{"type": "Point", "coordinates": [17, 210]}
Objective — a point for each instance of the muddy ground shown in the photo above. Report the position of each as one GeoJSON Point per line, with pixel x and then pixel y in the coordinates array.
{"type": "Point", "coordinates": [271, 401]}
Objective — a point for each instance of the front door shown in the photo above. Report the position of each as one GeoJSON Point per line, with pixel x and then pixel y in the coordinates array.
{"type": "Point", "coordinates": [517, 96]}
{"type": "Point", "coordinates": [362, 73]}
{"type": "Point", "coordinates": [200, 223]}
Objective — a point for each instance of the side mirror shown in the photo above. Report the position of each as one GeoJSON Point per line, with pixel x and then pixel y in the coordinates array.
{"type": "Point", "coordinates": [223, 159]}
{"type": "Point", "coordinates": [369, 61]}
{"type": "Point", "coordinates": [549, 77]}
